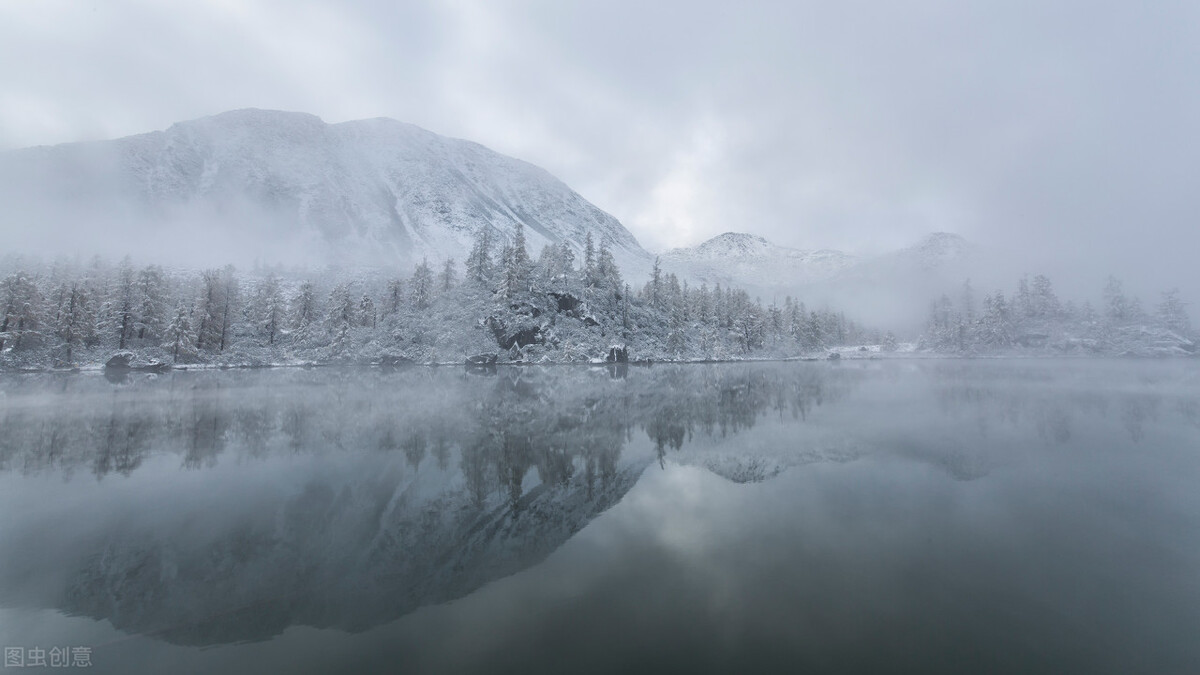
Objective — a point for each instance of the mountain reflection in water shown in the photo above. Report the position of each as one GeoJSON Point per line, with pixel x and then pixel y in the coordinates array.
{"type": "Point", "coordinates": [204, 508]}
{"type": "Point", "coordinates": [431, 482]}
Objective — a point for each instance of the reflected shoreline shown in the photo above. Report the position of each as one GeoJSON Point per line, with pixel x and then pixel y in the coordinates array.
{"type": "Point", "coordinates": [843, 355]}
{"type": "Point", "coordinates": [230, 504]}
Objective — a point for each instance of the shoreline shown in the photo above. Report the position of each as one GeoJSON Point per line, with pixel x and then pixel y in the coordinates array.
{"type": "Point", "coordinates": [643, 363]}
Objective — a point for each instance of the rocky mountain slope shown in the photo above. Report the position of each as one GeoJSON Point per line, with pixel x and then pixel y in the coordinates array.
{"type": "Point", "coordinates": [287, 187]}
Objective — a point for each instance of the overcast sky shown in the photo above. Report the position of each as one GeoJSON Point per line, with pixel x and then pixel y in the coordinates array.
{"type": "Point", "coordinates": [1071, 127]}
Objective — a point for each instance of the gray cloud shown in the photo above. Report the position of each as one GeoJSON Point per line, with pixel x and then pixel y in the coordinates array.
{"type": "Point", "coordinates": [1067, 130]}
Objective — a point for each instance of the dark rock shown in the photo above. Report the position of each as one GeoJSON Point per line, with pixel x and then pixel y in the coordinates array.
{"type": "Point", "coordinates": [527, 336]}
{"type": "Point", "coordinates": [590, 321]}
{"type": "Point", "coordinates": [618, 354]}
{"type": "Point", "coordinates": [119, 361]}
{"type": "Point", "coordinates": [126, 361]}
{"type": "Point", "coordinates": [565, 301]}
{"type": "Point", "coordinates": [520, 335]}
{"type": "Point", "coordinates": [834, 356]}
{"type": "Point", "coordinates": [527, 309]}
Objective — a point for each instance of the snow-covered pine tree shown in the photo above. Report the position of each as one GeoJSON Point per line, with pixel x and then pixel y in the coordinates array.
{"type": "Point", "coordinates": [421, 285]}
{"type": "Point", "coordinates": [209, 311]}
{"type": "Point", "coordinates": [608, 275]}
{"type": "Point", "coordinates": [342, 317]}
{"type": "Point", "coordinates": [996, 326]}
{"type": "Point", "coordinates": [566, 262]}
{"type": "Point", "coordinates": [151, 304]}
{"type": "Point", "coordinates": [304, 307]}
{"type": "Point", "coordinates": [179, 334]}
{"type": "Point", "coordinates": [269, 310]}
{"type": "Point", "coordinates": [72, 318]}
{"type": "Point", "coordinates": [516, 265]}
{"type": "Point", "coordinates": [118, 313]}
{"type": "Point", "coordinates": [655, 289]}
{"type": "Point", "coordinates": [394, 297]}
{"type": "Point", "coordinates": [366, 312]}
{"type": "Point", "coordinates": [479, 261]}
{"type": "Point", "coordinates": [343, 310]}
{"type": "Point", "coordinates": [22, 317]}
{"type": "Point", "coordinates": [230, 296]}
{"type": "Point", "coordinates": [589, 260]}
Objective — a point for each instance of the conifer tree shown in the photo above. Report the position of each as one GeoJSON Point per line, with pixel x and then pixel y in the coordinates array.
{"type": "Point", "coordinates": [304, 307]}
{"type": "Point", "coordinates": [421, 285]}
{"type": "Point", "coordinates": [479, 261]}
{"type": "Point", "coordinates": [179, 334]}
{"type": "Point", "coordinates": [151, 304]}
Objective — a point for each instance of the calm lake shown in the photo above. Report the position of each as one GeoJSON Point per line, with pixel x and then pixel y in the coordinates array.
{"type": "Point", "coordinates": [948, 516]}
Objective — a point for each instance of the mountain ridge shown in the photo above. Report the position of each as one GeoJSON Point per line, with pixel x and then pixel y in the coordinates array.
{"type": "Point", "coordinates": [375, 190]}
{"type": "Point", "coordinates": [890, 288]}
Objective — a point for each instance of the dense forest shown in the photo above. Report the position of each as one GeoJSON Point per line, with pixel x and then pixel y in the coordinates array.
{"type": "Point", "coordinates": [1034, 319]}
{"type": "Point", "coordinates": [503, 302]}
{"type": "Point", "coordinates": [554, 308]}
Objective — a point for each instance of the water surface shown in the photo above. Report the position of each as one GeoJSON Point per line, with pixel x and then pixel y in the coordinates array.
{"type": "Point", "coordinates": [948, 516]}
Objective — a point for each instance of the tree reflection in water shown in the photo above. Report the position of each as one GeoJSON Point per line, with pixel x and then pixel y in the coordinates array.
{"type": "Point", "coordinates": [418, 486]}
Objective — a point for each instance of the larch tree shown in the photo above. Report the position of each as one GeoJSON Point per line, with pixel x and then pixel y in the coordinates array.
{"type": "Point", "coordinates": [479, 260]}
{"type": "Point", "coordinates": [72, 318]}
{"type": "Point", "coordinates": [269, 309]}
{"type": "Point", "coordinates": [367, 315]}
{"type": "Point", "coordinates": [421, 285]}
{"type": "Point", "coordinates": [304, 307]}
{"type": "Point", "coordinates": [21, 318]}
{"type": "Point", "coordinates": [393, 297]}
{"type": "Point", "coordinates": [179, 334]}
{"type": "Point", "coordinates": [151, 304]}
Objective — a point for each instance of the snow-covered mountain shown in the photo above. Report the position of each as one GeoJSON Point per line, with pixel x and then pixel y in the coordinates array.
{"type": "Point", "coordinates": [747, 260]}
{"type": "Point", "coordinates": [285, 186]}
{"type": "Point", "coordinates": [889, 289]}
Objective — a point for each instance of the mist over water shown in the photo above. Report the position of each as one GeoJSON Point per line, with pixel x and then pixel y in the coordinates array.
{"type": "Point", "coordinates": [522, 337]}
{"type": "Point", "coordinates": [944, 516]}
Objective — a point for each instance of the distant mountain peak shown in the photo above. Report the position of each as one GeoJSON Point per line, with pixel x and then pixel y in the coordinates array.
{"type": "Point", "coordinates": [737, 237]}
{"type": "Point", "coordinates": [739, 244]}
{"type": "Point", "coordinates": [751, 261]}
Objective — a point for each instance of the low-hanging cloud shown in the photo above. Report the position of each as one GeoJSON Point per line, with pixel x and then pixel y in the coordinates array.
{"type": "Point", "coordinates": [1067, 132]}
